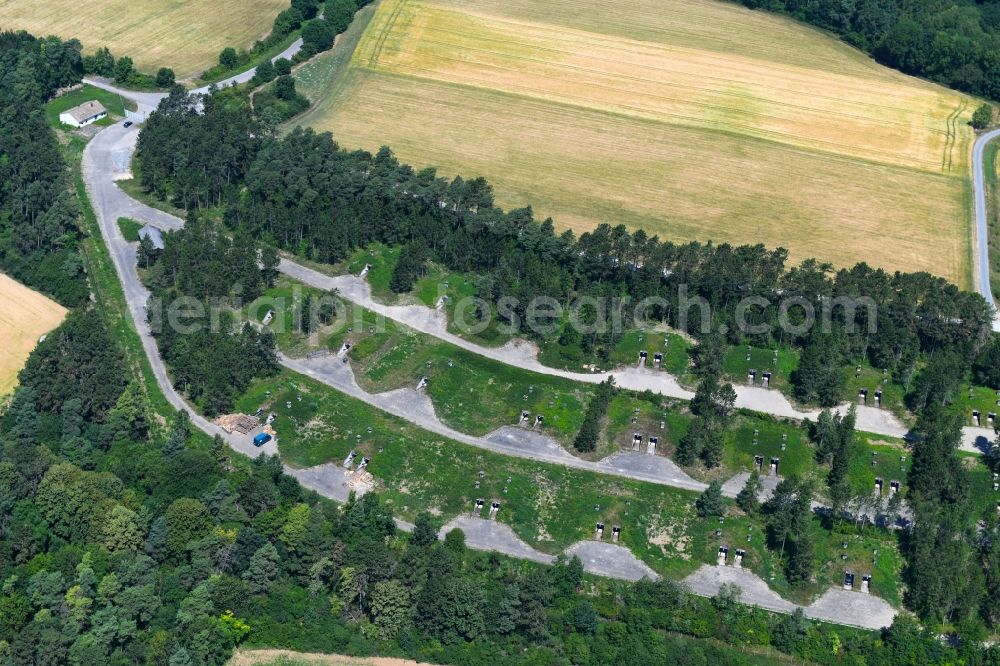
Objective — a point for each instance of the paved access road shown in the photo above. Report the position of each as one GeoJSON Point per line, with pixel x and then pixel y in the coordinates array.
{"type": "Point", "coordinates": [246, 75]}
{"type": "Point", "coordinates": [980, 241]}
{"type": "Point", "coordinates": [522, 354]}
{"type": "Point", "coordinates": [835, 605]}
{"type": "Point", "coordinates": [102, 161]}
{"type": "Point", "coordinates": [106, 157]}
{"type": "Point", "coordinates": [148, 101]}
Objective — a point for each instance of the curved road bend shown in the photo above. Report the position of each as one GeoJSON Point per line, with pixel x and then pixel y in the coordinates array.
{"type": "Point", "coordinates": [103, 157]}
{"type": "Point", "coordinates": [148, 101]}
{"type": "Point", "coordinates": [980, 241]}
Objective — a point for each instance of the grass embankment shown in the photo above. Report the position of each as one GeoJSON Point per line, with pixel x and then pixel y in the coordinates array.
{"type": "Point", "coordinates": [185, 36]}
{"type": "Point", "coordinates": [638, 116]}
{"type": "Point", "coordinates": [476, 395]}
{"type": "Point", "coordinates": [470, 393]}
{"type": "Point", "coordinates": [549, 506]}
{"type": "Point", "coordinates": [110, 298]}
{"type": "Point", "coordinates": [129, 228]}
{"type": "Point", "coordinates": [992, 212]}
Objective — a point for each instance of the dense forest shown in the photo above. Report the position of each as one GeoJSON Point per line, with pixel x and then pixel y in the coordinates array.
{"type": "Point", "coordinates": [210, 360]}
{"type": "Point", "coordinates": [303, 193]}
{"type": "Point", "coordinates": [126, 538]}
{"type": "Point", "coordinates": [952, 42]}
{"type": "Point", "coordinates": [38, 232]}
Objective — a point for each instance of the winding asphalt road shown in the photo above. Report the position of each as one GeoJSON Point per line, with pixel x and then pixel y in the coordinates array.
{"type": "Point", "coordinates": [981, 245]}
{"type": "Point", "coordinates": [148, 101]}
{"type": "Point", "coordinates": [107, 157]}
{"type": "Point", "coordinates": [521, 354]}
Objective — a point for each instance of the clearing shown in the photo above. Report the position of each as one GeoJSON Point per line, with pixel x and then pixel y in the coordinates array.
{"type": "Point", "coordinates": [186, 36]}
{"type": "Point", "coordinates": [694, 120]}
{"type": "Point", "coordinates": [290, 658]}
{"type": "Point", "coordinates": [25, 315]}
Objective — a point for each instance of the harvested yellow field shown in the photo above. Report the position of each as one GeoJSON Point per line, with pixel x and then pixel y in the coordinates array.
{"type": "Point", "coordinates": [693, 119]}
{"type": "Point", "coordinates": [25, 315]}
{"type": "Point", "coordinates": [186, 35]}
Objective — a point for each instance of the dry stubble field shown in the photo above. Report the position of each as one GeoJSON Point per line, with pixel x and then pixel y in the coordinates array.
{"type": "Point", "coordinates": [692, 119]}
{"type": "Point", "coordinates": [186, 35]}
{"type": "Point", "coordinates": [25, 315]}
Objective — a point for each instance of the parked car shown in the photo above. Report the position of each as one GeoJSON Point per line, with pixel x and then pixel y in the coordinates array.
{"type": "Point", "coordinates": [261, 439]}
{"type": "Point", "coordinates": [128, 123]}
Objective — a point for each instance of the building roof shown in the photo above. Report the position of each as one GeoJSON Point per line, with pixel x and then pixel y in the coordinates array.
{"type": "Point", "coordinates": [86, 111]}
{"type": "Point", "coordinates": [154, 236]}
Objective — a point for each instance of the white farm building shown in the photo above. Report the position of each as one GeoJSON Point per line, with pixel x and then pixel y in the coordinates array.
{"type": "Point", "coordinates": [85, 114]}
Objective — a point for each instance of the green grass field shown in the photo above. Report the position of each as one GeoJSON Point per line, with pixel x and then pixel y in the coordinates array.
{"type": "Point", "coordinates": [548, 506]}
{"type": "Point", "coordinates": [470, 393]}
{"type": "Point", "coordinates": [682, 118]}
{"type": "Point", "coordinates": [129, 228]}
{"type": "Point", "coordinates": [985, 400]}
{"type": "Point", "coordinates": [990, 167]}
{"type": "Point", "coordinates": [736, 365]}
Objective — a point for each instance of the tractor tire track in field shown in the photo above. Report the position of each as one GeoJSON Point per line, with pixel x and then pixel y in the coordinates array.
{"type": "Point", "coordinates": [951, 135]}
{"type": "Point", "coordinates": [384, 35]}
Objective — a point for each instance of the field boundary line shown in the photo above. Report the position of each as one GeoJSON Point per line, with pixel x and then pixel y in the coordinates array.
{"type": "Point", "coordinates": [761, 137]}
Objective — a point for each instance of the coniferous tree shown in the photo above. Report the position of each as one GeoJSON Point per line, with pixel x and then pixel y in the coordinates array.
{"type": "Point", "coordinates": [819, 377]}
{"type": "Point", "coordinates": [748, 497]}
{"type": "Point", "coordinates": [179, 433]}
{"type": "Point", "coordinates": [146, 253]}
{"type": "Point", "coordinates": [711, 502]}
{"type": "Point", "coordinates": [307, 317]}
{"type": "Point", "coordinates": [410, 266]}
{"type": "Point", "coordinates": [590, 430]}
